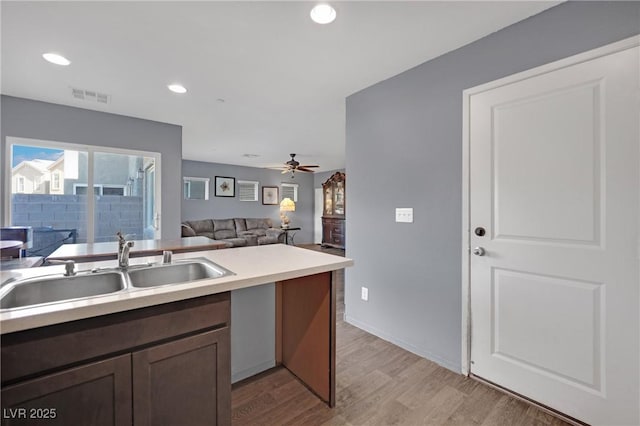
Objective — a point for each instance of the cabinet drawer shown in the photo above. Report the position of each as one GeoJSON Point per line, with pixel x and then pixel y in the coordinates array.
{"type": "Point", "coordinates": [22, 352]}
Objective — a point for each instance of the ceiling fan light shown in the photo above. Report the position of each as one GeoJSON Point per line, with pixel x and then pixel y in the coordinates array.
{"type": "Point", "coordinates": [323, 14]}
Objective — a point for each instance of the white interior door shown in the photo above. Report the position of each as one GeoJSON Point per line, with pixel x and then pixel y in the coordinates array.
{"type": "Point", "coordinates": [554, 183]}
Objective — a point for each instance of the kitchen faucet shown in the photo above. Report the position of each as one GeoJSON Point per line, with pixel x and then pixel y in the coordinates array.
{"type": "Point", "coordinates": [123, 250]}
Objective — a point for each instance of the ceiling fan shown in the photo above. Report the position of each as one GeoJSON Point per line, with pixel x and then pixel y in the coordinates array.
{"type": "Point", "coordinates": [293, 166]}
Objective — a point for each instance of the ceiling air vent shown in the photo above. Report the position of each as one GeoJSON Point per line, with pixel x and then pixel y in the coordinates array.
{"type": "Point", "coordinates": [90, 96]}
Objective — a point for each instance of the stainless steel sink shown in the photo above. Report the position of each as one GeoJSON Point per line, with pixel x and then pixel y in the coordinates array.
{"type": "Point", "coordinates": [178, 272]}
{"type": "Point", "coordinates": [34, 291]}
{"type": "Point", "coordinates": [25, 292]}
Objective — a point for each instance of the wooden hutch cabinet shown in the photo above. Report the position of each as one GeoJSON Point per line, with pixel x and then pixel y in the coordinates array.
{"type": "Point", "coordinates": [333, 212]}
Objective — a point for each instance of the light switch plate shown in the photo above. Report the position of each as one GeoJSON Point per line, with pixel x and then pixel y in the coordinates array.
{"type": "Point", "coordinates": [404, 215]}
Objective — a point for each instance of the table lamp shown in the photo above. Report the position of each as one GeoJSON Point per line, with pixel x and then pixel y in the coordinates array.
{"type": "Point", "coordinates": [286, 205]}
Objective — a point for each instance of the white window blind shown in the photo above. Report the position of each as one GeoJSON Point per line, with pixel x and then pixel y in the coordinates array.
{"type": "Point", "coordinates": [290, 190]}
{"type": "Point", "coordinates": [247, 190]}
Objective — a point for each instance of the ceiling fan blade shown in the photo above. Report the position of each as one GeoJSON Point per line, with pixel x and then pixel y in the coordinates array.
{"type": "Point", "coordinates": [285, 171]}
{"type": "Point", "coordinates": [304, 169]}
{"type": "Point", "coordinates": [308, 166]}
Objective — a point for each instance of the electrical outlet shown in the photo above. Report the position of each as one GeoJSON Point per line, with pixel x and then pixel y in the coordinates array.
{"type": "Point", "coordinates": [365, 294]}
{"type": "Point", "coordinates": [404, 215]}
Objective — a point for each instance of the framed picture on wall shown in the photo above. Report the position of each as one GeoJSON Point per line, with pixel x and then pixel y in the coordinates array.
{"type": "Point", "coordinates": [270, 195]}
{"type": "Point", "coordinates": [225, 186]}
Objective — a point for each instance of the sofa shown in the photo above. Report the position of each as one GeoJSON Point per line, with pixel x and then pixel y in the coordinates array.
{"type": "Point", "coordinates": [237, 232]}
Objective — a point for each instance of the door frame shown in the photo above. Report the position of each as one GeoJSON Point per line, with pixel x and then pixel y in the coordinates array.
{"type": "Point", "coordinates": [609, 49]}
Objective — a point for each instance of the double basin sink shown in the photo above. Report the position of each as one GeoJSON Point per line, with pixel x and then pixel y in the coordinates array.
{"type": "Point", "coordinates": [57, 288]}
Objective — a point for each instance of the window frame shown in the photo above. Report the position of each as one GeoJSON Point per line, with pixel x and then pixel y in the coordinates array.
{"type": "Point", "coordinates": [20, 183]}
{"type": "Point", "coordinates": [186, 187]}
{"type": "Point", "coordinates": [91, 150]}
{"type": "Point", "coordinates": [295, 187]}
{"type": "Point", "coordinates": [255, 185]}
{"type": "Point", "coordinates": [55, 180]}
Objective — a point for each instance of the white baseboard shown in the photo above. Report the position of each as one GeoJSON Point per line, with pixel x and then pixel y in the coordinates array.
{"type": "Point", "coordinates": [252, 371]}
{"type": "Point", "coordinates": [456, 368]}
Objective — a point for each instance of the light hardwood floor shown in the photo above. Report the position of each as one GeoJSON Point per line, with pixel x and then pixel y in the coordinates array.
{"type": "Point", "coordinates": [379, 383]}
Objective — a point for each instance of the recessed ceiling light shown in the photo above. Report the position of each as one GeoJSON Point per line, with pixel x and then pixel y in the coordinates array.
{"type": "Point", "coordinates": [177, 88]}
{"type": "Point", "coordinates": [54, 58]}
{"type": "Point", "coordinates": [323, 14]}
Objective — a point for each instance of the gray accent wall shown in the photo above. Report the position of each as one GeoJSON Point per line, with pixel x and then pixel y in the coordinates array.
{"type": "Point", "coordinates": [227, 207]}
{"type": "Point", "coordinates": [253, 319]}
{"type": "Point", "coordinates": [31, 119]}
{"type": "Point", "coordinates": [404, 149]}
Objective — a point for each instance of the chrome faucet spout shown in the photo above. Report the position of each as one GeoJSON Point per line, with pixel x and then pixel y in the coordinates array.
{"type": "Point", "coordinates": [124, 247]}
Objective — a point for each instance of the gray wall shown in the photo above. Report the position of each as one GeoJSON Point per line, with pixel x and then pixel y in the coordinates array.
{"type": "Point", "coordinates": [227, 207]}
{"type": "Point", "coordinates": [40, 120]}
{"type": "Point", "coordinates": [408, 129]}
{"type": "Point", "coordinates": [253, 319]}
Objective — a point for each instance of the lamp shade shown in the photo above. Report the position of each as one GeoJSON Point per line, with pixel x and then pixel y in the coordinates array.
{"type": "Point", "coordinates": [287, 205]}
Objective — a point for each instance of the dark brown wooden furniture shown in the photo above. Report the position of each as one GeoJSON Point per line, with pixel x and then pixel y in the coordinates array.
{"type": "Point", "coordinates": [162, 365]}
{"type": "Point", "coordinates": [93, 252]}
{"type": "Point", "coordinates": [10, 248]}
{"type": "Point", "coordinates": [288, 238]}
{"type": "Point", "coordinates": [333, 212]}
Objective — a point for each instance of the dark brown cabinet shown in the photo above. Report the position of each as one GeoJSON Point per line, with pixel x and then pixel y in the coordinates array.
{"type": "Point", "coordinates": [334, 210]}
{"type": "Point", "coordinates": [178, 382]}
{"type": "Point", "coordinates": [98, 394]}
{"type": "Point", "coordinates": [162, 365]}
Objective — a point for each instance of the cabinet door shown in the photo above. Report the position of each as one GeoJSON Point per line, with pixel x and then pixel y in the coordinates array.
{"type": "Point", "coordinates": [184, 382]}
{"type": "Point", "coordinates": [92, 394]}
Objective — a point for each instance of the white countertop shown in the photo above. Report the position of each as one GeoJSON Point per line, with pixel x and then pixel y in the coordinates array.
{"type": "Point", "coordinates": [252, 266]}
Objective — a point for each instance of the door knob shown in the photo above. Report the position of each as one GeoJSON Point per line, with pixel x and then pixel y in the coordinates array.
{"type": "Point", "coordinates": [478, 251]}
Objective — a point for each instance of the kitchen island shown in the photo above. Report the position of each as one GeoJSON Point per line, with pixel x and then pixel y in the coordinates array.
{"type": "Point", "coordinates": [149, 346]}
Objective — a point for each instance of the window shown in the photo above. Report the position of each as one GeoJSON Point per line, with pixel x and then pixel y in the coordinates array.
{"type": "Point", "coordinates": [113, 190]}
{"type": "Point", "coordinates": [81, 189]}
{"type": "Point", "coordinates": [247, 190]}
{"type": "Point", "coordinates": [196, 188]}
{"type": "Point", "coordinates": [55, 180]}
{"type": "Point", "coordinates": [290, 190]}
{"type": "Point", "coordinates": [100, 191]}
{"type": "Point", "coordinates": [20, 184]}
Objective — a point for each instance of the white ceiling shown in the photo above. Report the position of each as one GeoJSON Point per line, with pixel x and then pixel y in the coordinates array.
{"type": "Point", "coordinates": [283, 78]}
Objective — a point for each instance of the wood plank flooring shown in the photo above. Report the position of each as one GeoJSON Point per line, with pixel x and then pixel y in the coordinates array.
{"type": "Point", "coordinates": [379, 383]}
